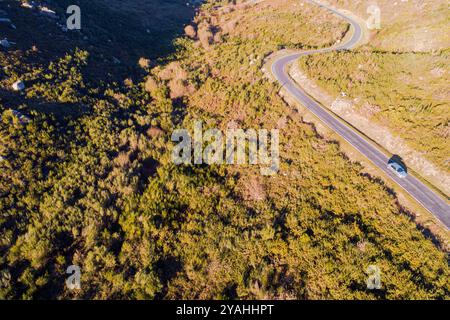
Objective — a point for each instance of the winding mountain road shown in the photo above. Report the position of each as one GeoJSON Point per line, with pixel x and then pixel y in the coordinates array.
{"type": "Point", "coordinates": [414, 187]}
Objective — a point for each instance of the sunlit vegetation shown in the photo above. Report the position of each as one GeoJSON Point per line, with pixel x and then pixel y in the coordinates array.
{"type": "Point", "coordinates": [94, 185]}
{"type": "Point", "coordinates": [412, 25]}
{"type": "Point", "coordinates": [405, 92]}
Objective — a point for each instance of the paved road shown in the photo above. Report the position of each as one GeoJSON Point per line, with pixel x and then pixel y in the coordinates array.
{"type": "Point", "coordinates": [419, 191]}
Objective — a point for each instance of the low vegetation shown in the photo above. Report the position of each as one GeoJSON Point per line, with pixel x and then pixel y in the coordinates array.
{"type": "Point", "coordinates": [406, 92]}
{"type": "Point", "coordinates": [406, 25]}
{"type": "Point", "coordinates": [400, 79]}
{"type": "Point", "coordinates": [89, 181]}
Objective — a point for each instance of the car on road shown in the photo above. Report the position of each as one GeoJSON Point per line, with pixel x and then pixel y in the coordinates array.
{"type": "Point", "coordinates": [398, 169]}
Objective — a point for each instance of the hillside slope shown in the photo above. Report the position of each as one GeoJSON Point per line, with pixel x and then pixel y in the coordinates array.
{"type": "Point", "coordinates": [389, 83]}
{"type": "Point", "coordinates": [88, 180]}
{"type": "Point", "coordinates": [406, 25]}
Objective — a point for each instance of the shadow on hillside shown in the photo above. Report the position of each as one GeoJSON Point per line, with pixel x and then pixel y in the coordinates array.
{"type": "Point", "coordinates": [63, 112]}
{"type": "Point", "coordinates": [424, 229]}
{"type": "Point", "coordinates": [116, 33]}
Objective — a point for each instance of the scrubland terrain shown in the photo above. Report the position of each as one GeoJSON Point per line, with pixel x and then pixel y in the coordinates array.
{"type": "Point", "coordinates": [89, 180]}
{"type": "Point", "coordinates": [406, 25]}
{"type": "Point", "coordinates": [399, 81]}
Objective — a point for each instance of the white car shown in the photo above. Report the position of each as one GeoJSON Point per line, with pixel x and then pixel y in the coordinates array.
{"type": "Point", "coordinates": [398, 169]}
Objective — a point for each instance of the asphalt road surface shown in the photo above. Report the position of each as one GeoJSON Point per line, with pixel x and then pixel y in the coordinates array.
{"type": "Point", "coordinates": [418, 190]}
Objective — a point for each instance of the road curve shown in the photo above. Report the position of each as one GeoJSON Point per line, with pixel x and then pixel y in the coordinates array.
{"type": "Point", "coordinates": [418, 190]}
